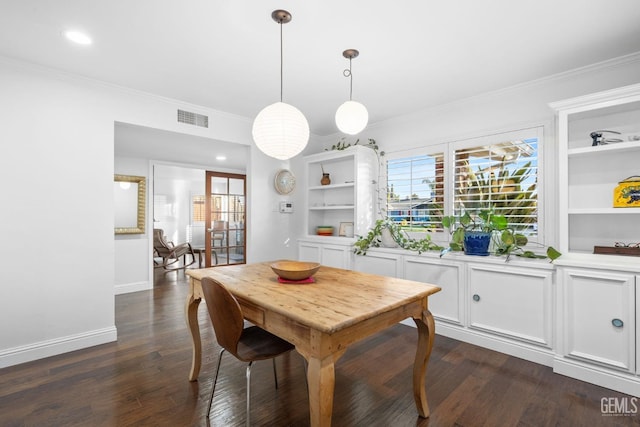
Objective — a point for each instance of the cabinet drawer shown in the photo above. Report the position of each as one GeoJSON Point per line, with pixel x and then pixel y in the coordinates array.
{"type": "Point", "coordinates": [511, 301]}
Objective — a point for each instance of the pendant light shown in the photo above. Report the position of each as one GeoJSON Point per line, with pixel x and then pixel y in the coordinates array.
{"type": "Point", "coordinates": [352, 116]}
{"type": "Point", "coordinates": [280, 130]}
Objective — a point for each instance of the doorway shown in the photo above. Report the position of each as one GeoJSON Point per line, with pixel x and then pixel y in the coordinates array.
{"type": "Point", "coordinates": [225, 219]}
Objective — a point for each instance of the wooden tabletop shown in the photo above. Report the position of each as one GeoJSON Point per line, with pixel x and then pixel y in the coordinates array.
{"type": "Point", "coordinates": [338, 299]}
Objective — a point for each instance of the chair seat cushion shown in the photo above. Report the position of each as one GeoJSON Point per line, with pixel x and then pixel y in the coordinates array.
{"type": "Point", "coordinates": [256, 344]}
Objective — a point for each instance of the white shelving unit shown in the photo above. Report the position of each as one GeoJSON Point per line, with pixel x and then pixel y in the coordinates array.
{"type": "Point", "coordinates": [588, 174]}
{"type": "Point", "coordinates": [349, 197]}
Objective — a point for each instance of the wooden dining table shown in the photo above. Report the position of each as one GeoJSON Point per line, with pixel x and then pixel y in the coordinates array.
{"type": "Point", "coordinates": [322, 319]}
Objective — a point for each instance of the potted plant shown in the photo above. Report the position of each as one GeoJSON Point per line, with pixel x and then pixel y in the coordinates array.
{"type": "Point", "coordinates": [475, 233]}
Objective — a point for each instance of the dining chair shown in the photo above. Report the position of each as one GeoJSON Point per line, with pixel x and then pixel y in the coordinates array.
{"type": "Point", "coordinates": [218, 232]}
{"type": "Point", "coordinates": [246, 344]}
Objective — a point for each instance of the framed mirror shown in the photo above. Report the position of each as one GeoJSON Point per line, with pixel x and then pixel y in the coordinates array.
{"type": "Point", "coordinates": [129, 195]}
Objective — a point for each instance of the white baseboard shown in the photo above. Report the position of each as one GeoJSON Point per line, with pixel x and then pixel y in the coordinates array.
{"type": "Point", "coordinates": [524, 351]}
{"type": "Point", "coordinates": [40, 350]}
{"type": "Point", "coordinates": [127, 288]}
{"type": "Point", "coordinates": [608, 378]}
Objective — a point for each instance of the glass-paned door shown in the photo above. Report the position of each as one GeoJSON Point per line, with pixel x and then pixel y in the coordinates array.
{"type": "Point", "coordinates": [225, 219]}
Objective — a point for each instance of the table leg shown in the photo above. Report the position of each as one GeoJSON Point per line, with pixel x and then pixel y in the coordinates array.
{"type": "Point", "coordinates": [191, 313]}
{"type": "Point", "coordinates": [321, 382]}
{"type": "Point", "coordinates": [426, 333]}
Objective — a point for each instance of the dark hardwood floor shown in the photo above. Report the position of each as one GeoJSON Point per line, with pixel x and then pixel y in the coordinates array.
{"type": "Point", "coordinates": [141, 380]}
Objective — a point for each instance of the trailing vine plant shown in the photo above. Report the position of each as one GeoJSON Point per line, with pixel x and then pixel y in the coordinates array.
{"type": "Point", "coordinates": [373, 239]}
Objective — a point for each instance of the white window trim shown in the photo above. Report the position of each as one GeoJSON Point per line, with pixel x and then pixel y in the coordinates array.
{"type": "Point", "coordinates": [449, 148]}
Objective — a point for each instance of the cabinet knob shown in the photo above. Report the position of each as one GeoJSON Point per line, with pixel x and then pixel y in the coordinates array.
{"type": "Point", "coordinates": [476, 297]}
{"type": "Point", "coordinates": [617, 323]}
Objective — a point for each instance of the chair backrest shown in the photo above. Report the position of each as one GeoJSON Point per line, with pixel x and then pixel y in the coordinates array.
{"type": "Point", "coordinates": [219, 225]}
{"type": "Point", "coordinates": [225, 312]}
{"type": "Point", "coordinates": [159, 241]}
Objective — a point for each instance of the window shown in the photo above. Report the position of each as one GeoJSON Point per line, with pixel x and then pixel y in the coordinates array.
{"type": "Point", "coordinates": [415, 191]}
{"type": "Point", "coordinates": [503, 176]}
{"type": "Point", "coordinates": [499, 171]}
{"type": "Point", "coordinates": [198, 210]}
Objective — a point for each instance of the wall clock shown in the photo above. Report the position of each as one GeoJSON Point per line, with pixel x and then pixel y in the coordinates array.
{"type": "Point", "coordinates": [285, 182]}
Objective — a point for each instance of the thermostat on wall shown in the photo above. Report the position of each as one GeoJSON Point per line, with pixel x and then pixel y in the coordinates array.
{"type": "Point", "coordinates": [286, 207]}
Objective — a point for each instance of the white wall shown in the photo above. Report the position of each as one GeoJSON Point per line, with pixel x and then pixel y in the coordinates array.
{"type": "Point", "coordinates": [272, 233]}
{"type": "Point", "coordinates": [131, 266]}
{"type": "Point", "coordinates": [57, 171]}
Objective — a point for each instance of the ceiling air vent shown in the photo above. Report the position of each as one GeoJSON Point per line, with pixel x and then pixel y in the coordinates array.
{"type": "Point", "coordinates": [193, 118]}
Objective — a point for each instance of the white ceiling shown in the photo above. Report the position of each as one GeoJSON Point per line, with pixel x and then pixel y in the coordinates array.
{"type": "Point", "coordinates": [148, 143]}
{"type": "Point", "coordinates": [414, 54]}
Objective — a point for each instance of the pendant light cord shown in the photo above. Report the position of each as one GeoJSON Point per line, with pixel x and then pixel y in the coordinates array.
{"type": "Point", "coordinates": [281, 61]}
{"type": "Point", "coordinates": [347, 73]}
{"type": "Point", "coordinates": [350, 82]}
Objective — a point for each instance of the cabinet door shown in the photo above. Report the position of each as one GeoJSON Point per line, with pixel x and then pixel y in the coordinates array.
{"type": "Point", "coordinates": [511, 301]}
{"type": "Point", "coordinates": [309, 252]}
{"type": "Point", "coordinates": [383, 264]}
{"type": "Point", "coordinates": [599, 317]}
{"type": "Point", "coordinates": [447, 304]}
{"type": "Point", "coordinates": [336, 256]}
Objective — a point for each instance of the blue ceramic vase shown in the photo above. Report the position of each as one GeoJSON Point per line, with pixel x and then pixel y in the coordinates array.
{"type": "Point", "coordinates": [477, 243]}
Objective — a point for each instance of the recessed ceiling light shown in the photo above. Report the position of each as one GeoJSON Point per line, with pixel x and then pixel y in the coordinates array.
{"type": "Point", "coordinates": [78, 37]}
{"type": "Point", "coordinates": [221, 157]}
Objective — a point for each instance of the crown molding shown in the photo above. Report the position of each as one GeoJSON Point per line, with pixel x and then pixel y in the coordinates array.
{"type": "Point", "coordinates": [564, 75]}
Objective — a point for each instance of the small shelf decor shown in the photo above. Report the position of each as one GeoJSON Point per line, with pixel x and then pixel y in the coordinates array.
{"type": "Point", "coordinates": [627, 193]}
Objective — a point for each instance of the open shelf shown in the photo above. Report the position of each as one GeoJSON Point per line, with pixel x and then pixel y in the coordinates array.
{"type": "Point", "coordinates": [588, 175]}
{"type": "Point", "coordinates": [349, 198]}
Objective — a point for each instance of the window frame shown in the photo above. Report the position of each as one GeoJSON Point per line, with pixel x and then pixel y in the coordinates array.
{"type": "Point", "coordinates": [449, 148]}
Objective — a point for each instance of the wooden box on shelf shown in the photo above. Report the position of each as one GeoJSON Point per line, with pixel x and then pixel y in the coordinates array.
{"type": "Point", "coordinates": [617, 250]}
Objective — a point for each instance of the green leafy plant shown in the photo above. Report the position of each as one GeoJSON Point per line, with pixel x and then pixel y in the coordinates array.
{"type": "Point", "coordinates": [373, 239]}
{"type": "Point", "coordinates": [342, 144]}
{"type": "Point", "coordinates": [506, 240]}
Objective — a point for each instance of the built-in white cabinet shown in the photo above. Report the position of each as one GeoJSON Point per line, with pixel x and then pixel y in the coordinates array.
{"type": "Point", "coordinates": [512, 302]}
{"type": "Point", "coordinates": [587, 174]}
{"type": "Point", "coordinates": [382, 263]}
{"type": "Point", "coordinates": [505, 306]}
{"type": "Point", "coordinates": [597, 326]}
{"type": "Point", "coordinates": [348, 203]}
{"type": "Point", "coordinates": [448, 304]}
{"type": "Point", "coordinates": [598, 317]}
{"type": "Point", "coordinates": [638, 327]}
{"type": "Point", "coordinates": [349, 198]}
{"type": "Point", "coordinates": [337, 254]}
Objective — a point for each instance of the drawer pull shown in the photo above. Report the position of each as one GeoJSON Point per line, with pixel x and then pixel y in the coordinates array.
{"type": "Point", "coordinates": [617, 323]}
{"type": "Point", "coordinates": [476, 297]}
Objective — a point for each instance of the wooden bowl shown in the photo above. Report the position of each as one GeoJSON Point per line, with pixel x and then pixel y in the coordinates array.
{"type": "Point", "coordinates": [295, 270]}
